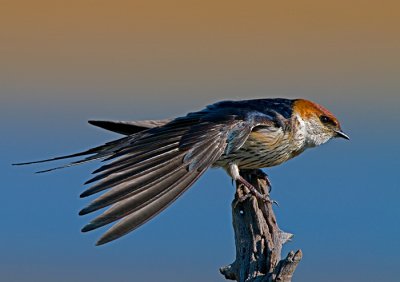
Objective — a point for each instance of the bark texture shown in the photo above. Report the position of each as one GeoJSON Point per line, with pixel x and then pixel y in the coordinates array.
{"type": "Point", "coordinates": [258, 238]}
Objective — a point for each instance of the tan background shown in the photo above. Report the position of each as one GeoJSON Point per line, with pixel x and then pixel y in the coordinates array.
{"type": "Point", "coordinates": [64, 62]}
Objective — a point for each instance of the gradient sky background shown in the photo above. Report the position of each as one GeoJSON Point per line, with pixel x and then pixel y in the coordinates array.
{"type": "Point", "coordinates": [65, 62]}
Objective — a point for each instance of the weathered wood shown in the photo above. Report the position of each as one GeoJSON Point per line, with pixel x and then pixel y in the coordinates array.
{"type": "Point", "coordinates": [258, 238]}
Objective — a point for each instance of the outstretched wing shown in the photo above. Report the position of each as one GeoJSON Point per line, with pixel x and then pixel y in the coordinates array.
{"type": "Point", "coordinates": [157, 168]}
{"type": "Point", "coordinates": [152, 168]}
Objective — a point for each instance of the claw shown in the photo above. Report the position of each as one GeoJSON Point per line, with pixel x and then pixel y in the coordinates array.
{"type": "Point", "coordinates": [253, 191]}
{"type": "Point", "coordinates": [267, 199]}
{"type": "Point", "coordinates": [260, 174]}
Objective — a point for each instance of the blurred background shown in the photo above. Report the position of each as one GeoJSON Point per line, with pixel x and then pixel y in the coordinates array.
{"type": "Point", "coordinates": [65, 62]}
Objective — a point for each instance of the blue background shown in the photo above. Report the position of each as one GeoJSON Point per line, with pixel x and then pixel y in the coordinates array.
{"type": "Point", "coordinates": [63, 64]}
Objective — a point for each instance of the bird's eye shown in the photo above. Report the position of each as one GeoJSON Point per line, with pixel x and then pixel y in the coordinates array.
{"type": "Point", "coordinates": [326, 120]}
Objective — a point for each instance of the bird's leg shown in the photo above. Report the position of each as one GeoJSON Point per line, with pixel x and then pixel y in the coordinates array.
{"type": "Point", "coordinates": [233, 170]}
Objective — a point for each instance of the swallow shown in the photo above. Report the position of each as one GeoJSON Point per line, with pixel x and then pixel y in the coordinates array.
{"type": "Point", "coordinates": [158, 160]}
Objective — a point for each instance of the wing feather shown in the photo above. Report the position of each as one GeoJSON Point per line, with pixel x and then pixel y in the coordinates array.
{"type": "Point", "coordinates": [151, 168]}
{"type": "Point", "coordinates": [150, 210]}
{"type": "Point", "coordinates": [133, 218]}
{"type": "Point", "coordinates": [132, 184]}
{"type": "Point", "coordinates": [136, 179]}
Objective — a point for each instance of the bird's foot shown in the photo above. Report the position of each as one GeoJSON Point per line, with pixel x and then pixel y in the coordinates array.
{"type": "Point", "coordinates": [260, 174]}
{"type": "Point", "coordinates": [254, 192]}
{"type": "Point", "coordinates": [262, 197]}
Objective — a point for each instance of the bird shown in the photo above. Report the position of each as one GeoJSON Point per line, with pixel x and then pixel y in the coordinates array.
{"type": "Point", "coordinates": [157, 160]}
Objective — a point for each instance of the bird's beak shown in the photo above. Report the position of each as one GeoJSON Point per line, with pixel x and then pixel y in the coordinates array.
{"type": "Point", "coordinates": [341, 134]}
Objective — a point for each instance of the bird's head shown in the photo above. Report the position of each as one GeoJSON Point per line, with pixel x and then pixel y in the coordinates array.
{"type": "Point", "coordinates": [320, 124]}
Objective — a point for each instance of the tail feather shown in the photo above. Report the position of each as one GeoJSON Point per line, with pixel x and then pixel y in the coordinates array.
{"type": "Point", "coordinates": [99, 152]}
{"type": "Point", "coordinates": [104, 151]}
{"type": "Point", "coordinates": [84, 153]}
{"type": "Point", "coordinates": [127, 127]}
{"type": "Point", "coordinates": [98, 156]}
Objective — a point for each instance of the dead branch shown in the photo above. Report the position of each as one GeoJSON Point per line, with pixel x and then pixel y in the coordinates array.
{"type": "Point", "coordinates": [258, 239]}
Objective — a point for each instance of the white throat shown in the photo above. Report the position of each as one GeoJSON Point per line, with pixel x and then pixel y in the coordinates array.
{"type": "Point", "coordinates": [307, 132]}
{"type": "Point", "coordinates": [315, 134]}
